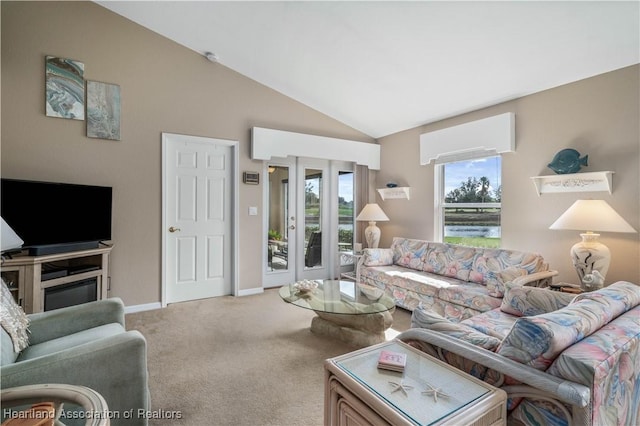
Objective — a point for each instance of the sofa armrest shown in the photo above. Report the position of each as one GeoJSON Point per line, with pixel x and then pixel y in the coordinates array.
{"type": "Point", "coordinates": [563, 390]}
{"type": "Point", "coordinates": [115, 367]}
{"type": "Point", "coordinates": [50, 325]}
{"type": "Point", "coordinates": [537, 279]}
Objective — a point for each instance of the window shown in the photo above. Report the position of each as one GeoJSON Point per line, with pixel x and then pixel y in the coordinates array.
{"type": "Point", "coordinates": [468, 202]}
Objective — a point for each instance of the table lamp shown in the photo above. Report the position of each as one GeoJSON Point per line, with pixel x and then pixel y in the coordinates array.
{"type": "Point", "coordinates": [590, 255]}
{"type": "Point", "coordinates": [372, 213]}
{"type": "Point", "coordinates": [9, 240]}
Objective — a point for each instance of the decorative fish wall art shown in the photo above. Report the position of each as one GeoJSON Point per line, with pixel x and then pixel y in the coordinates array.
{"type": "Point", "coordinates": [568, 161]}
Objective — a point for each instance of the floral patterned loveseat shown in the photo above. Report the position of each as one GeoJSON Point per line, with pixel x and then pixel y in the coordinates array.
{"type": "Point", "coordinates": [562, 359]}
{"type": "Point", "coordinates": [454, 281]}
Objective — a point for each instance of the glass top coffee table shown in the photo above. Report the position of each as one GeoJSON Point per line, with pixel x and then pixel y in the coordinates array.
{"type": "Point", "coordinates": [428, 392]}
{"type": "Point", "coordinates": [352, 312]}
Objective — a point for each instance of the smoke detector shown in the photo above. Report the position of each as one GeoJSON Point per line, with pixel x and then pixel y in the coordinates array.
{"type": "Point", "coordinates": [211, 56]}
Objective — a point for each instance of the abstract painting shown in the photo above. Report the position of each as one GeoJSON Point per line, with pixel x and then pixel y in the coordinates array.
{"type": "Point", "coordinates": [103, 110]}
{"type": "Point", "coordinates": [64, 88]}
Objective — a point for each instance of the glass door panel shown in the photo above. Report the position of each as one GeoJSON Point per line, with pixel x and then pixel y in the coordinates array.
{"type": "Point", "coordinates": [315, 197]}
{"type": "Point", "coordinates": [279, 221]}
{"type": "Point", "coordinates": [313, 218]}
{"type": "Point", "coordinates": [346, 218]}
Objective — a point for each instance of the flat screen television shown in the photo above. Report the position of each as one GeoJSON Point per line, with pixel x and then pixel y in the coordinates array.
{"type": "Point", "coordinates": [56, 217]}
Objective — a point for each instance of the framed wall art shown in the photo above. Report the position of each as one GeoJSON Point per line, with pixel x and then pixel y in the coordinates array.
{"type": "Point", "coordinates": [64, 88]}
{"type": "Point", "coordinates": [103, 110]}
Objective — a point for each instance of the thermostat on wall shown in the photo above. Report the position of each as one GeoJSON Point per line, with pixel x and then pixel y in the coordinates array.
{"type": "Point", "coordinates": [252, 178]}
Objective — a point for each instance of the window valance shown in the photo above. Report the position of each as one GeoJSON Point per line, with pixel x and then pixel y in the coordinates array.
{"type": "Point", "coordinates": [268, 143]}
{"type": "Point", "coordinates": [480, 138]}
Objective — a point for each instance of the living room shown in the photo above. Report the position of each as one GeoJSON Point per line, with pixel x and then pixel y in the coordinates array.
{"type": "Point", "coordinates": [169, 88]}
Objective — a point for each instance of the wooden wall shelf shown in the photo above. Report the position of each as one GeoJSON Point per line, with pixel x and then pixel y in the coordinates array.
{"type": "Point", "coordinates": [574, 182]}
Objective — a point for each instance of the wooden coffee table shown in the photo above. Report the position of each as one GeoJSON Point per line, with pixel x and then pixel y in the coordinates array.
{"type": "Point", "coordinates": [344, 311]}
{"type": "Point", "coordinates": [428, 392]}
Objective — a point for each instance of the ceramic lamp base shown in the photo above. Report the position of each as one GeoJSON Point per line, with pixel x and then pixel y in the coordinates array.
{"type": "Point", "coordinates": [590, 255]}
{"type": "Point", "coordinates": [372, 235]}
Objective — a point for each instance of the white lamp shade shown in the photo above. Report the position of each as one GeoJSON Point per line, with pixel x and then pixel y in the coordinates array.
{"type": "Point", "coordinates": [592, 215]}
{"type": "Point", "coordinates": [9, 240]}
{"type": "Point", "coordinates": [372, 213]}
{"type": "Point", "coordinates": [590, 257]}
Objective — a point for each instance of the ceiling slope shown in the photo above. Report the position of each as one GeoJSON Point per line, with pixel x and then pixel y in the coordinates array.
{"type": "Point", "coordinates": [383, 67]}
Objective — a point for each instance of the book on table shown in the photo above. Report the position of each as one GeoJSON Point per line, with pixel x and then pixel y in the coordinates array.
{"type": "Point", "coordinates": [394, 361]}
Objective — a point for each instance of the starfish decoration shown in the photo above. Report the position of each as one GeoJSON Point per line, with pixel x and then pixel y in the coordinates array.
{"type": "Point", "coordinates": [400, 387]}
{"type": "Point", "coordinates": [435, 392]}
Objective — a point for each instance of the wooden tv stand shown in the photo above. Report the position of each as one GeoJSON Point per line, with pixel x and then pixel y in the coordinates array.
{"type": "Point", "coordinates": [29, 276]}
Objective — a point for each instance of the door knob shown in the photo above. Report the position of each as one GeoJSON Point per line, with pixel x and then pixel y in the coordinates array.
{"type": "Point", "coordinates": [172, 229]}
{"type": "Point", "coordinates": [292, 227]}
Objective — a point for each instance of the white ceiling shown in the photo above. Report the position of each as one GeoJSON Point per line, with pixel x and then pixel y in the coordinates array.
{"type": "Point", "coordinates": [387, 66]}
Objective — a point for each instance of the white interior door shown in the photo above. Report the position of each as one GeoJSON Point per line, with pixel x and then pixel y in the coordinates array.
{"type": "Point", "coordinates": [198, 217]}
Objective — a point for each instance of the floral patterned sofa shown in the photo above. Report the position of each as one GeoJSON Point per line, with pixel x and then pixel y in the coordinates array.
{"type": "Point", "coordinates": [454, 281]}
{"type": "Point", "coordinates": [562, 359]}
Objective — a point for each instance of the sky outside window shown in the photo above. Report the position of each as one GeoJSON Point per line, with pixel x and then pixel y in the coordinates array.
{"type": "Point", "coordinates": [457, 173]}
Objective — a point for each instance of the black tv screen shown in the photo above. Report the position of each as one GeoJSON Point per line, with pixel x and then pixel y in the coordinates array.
{"type": "Point", "coordinates": [49, 213]}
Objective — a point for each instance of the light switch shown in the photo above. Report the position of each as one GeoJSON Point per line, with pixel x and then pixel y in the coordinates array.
{"type": "Point", "coordinates": [253, 211]}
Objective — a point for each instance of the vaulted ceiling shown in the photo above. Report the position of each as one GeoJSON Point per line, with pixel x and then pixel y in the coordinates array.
{"type": "Point", "coordinates": [387, 66]}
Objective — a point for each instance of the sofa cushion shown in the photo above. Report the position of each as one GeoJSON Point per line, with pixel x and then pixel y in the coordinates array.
{"type": "Point", "coordinates": [377, 257]}
{"type": "Point", "coordinates": [521, 300]}
{"type": "Point", "coordinates": [408, 252]}
{"type": "Point", "coordinates": [494, 323]}
{"type": "Point", "coordinates": [470, 295]}
{"type": "Point", "coordinates": [398, 276]}
{"type": "Point", "coordinates": [488, 265]}
{"type": "Point", "coordinates": [449, 260]}
{"type": "Point", "coordinates": [70, 341]}
{"type": "Point", "coordinates": [423, 318]}
{"type": "Point", "coordinates": [7, 354]}
{"type": "Point", "coordinates": [538, 340]}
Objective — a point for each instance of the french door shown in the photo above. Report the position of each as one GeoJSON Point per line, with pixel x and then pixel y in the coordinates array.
{"type": "Point", "coordinates": [309, 217]}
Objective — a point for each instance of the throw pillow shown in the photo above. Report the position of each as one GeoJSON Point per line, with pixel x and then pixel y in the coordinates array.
{"type": "Point", "coordinates": [13, 319]}
{"type": "Point", "coordinates": [408, 252]}
{"type": "Point", "coordinates": [495, 267]}
{"type": "Point", "coordinates": [449, 260]}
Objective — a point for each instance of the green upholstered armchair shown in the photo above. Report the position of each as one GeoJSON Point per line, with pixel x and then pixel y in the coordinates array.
{"type": "Point", "coordinates": [84, 345]}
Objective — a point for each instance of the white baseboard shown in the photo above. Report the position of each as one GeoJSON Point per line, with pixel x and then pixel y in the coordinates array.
{"type": "Point", "coordinates": [140, 308]}
{"type": "Point", "coordinates": [157, 305]}
{"type": "Point", "coordinates": [251, 291]}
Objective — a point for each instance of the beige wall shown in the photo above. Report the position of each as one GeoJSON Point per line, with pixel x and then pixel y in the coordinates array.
{"type": "Point", "coordinates": [168, 88]}
{"type": "Point", "coordinates": [165, 88]}
{"type": "Point", "coordinates": [597, 116]}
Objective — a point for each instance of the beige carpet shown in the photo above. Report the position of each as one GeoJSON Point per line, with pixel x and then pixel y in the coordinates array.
{"type": "Point", "coordinates": [238, 361]}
